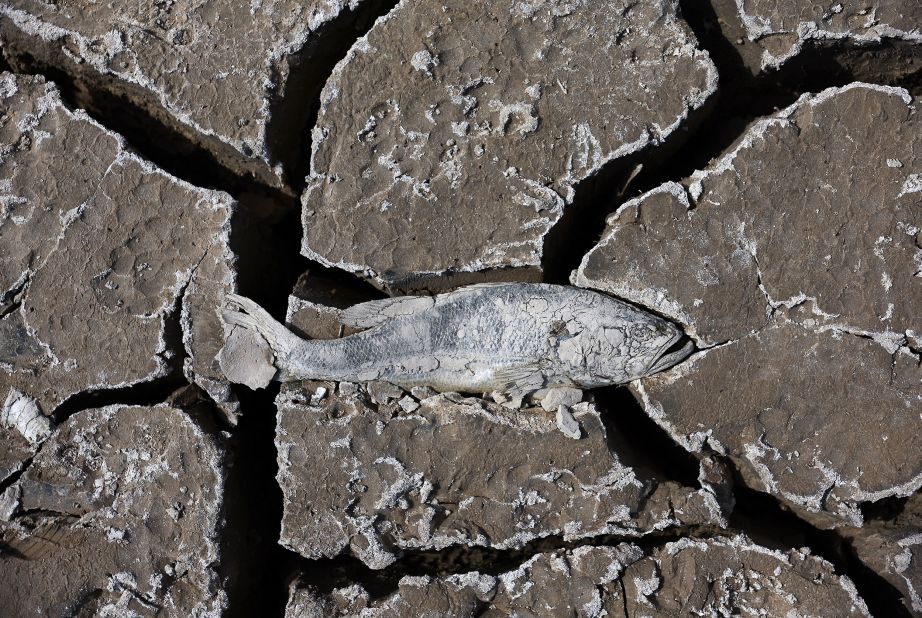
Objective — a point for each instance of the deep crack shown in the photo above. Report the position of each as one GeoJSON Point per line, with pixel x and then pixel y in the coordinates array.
{"type": "Point", "coordinates": [886, 509]}
{"type": "Point", "coordinates": [253, 513]}
{"type": "Point", "coordinates": [327, 574]}
{"type": "Point", "coordinates": [766, 521]}
{"type": "Point", "coordinates": [11, 300]}
{"type": "Point", "coordinates": [147, 393]}
{"type": "Point", "coordinates": [642, 444]}
{"type": "Point", "coordinates": [295, 111]}
{"type": "Point", "coordinates": [10, 480]}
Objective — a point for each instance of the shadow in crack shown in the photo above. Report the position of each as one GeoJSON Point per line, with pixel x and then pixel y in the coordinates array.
{"type": "Point", "coordinates": [328, 286]}
{"type": "Point", "coordinates": [267, 243]}
{"type": "Point", "coordinates": [270, 267]}
{"type": "Point", "coordinates": [327, 574]}
{"type": "Point", "coordinates": [257, 567]}
{"type": "Point", "coordinates": [147, 392]}
{"type": "Point", "coordinates": [743, 97]}
{"type": "Point", "coordinates": [582, 223]}
{"type": "Point", "coordinates": [718, 25]}
{"type": "Point", "coordinates": [640, 443]}
{"type": "Point", "coordinates": [884, 510]}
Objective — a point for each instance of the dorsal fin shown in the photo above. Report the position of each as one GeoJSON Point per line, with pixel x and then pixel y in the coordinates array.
{"type": "Point", "coordinates": [375, 312]}
{"type": "Point", "coordinates": [479, 286]}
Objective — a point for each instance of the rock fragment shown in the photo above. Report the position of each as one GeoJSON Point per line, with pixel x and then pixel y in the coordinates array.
{"type": "Point", "coordinates": [247, 359]}
{"type": "Point", "coordinates": [20, 412]}
{"type": "Point", "coordinates": [720, 576]}
{"type": "Point", "coordinates": [561, 396]}
{"type": "Point", "coordinates": [794, 262]}
{"type": "Point", "coordinates": [315, 320]}
{"type": "Point", "coordinates": [453, 471]}
{"type": "Point", "coordinates": [782, 29]}
{"type": "Point", "coordinates": [716, 476]}
{"type": "Point", "coordinates": [451, 138]}
{"type": "Point", "coordinates": [106, 262]}
{"type": "Point", "coordinates": [118, 514]}
{"type": "Point", "coordinates": [567, 424]}
{"type": "Point", "coordinates": [214, 71]}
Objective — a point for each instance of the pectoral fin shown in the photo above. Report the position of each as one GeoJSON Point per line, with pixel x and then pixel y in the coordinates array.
{"type": "Point", "coordinates": [375, 312]}
{"type": "Point", "coordinates": [520, 380]}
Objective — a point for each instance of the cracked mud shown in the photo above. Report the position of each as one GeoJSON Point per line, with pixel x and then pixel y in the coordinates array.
{"type": "Point", "coordinates": [821, 295]}
{"type": "Point", "coordinates": [757, 166]}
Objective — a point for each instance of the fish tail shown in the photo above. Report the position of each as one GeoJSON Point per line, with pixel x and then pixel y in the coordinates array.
{"type": "Point", "coordinates": [244, 313]}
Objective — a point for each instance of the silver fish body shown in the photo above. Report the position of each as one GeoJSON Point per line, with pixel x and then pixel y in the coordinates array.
{"type": "Point", "coordinates": [516, 338]}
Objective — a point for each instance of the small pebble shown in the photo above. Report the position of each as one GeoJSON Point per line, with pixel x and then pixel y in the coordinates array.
{"type": "Point", "coordinates": [319, 395]}
{"type": "Point", "coordinates": [348, 388]}
{"type": "Point", "coordinates": [568, 425]}
{"type": "Point", "coordinates": [408, 404]}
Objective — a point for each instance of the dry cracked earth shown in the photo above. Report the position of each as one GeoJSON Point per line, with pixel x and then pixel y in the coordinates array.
{"type": "Point", "coordinates": [750, 170]}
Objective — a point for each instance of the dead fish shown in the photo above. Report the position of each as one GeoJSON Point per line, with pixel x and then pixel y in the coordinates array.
{"type": "Point", "coordinates": [515, 338]}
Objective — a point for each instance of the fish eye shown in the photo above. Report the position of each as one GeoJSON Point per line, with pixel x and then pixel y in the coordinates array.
{"type": "Point", "coordinates": [642, 332]}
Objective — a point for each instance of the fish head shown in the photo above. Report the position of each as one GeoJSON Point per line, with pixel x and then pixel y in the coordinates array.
{"type": "Point", "coordinates": [607, 341]}
{"type": "Point", "coordinates": [654, 345]}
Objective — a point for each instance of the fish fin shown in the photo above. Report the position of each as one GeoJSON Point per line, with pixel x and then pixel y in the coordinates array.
{"type": "Point", "coordinates": [521, 379]}
{"type": "Point", "coordinates": [481, 286]}
{"type": "Point", "coordinates": [376, 312]}
{"type": "Point", "coordinates": [247, 314]}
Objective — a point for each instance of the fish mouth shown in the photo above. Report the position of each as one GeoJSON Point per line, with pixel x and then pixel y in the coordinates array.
{"type": "Point", "coordinates": [672, 353]}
